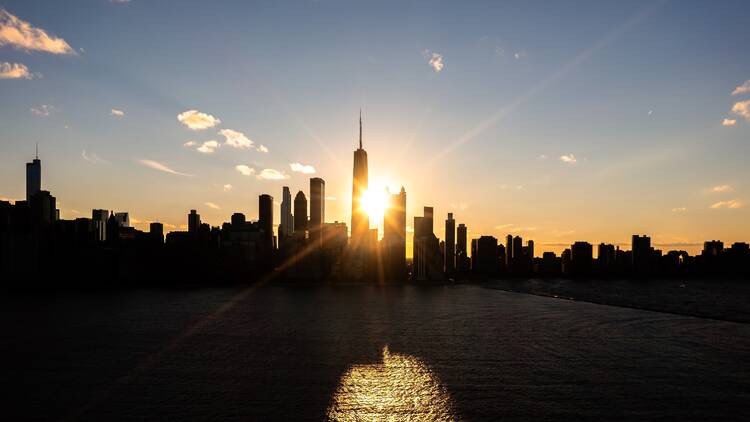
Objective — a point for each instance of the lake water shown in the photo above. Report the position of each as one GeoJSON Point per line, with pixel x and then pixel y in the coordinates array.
{"type": "Point", "coordinates": [281, 352]}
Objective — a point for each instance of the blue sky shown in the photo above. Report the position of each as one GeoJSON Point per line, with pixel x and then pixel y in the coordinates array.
{"type": "Point", "coordinates": [559, 122]}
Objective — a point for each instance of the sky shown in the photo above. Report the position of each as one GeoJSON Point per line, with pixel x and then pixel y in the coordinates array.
{"type": "Point", "coordinates": [558, 121]}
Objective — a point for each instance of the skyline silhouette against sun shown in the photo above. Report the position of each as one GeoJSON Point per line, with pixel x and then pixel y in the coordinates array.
{"type": "Point", "coordinates": [552, 122]}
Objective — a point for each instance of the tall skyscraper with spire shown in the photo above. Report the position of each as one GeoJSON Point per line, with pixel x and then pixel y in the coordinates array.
{"type": "Point", "coordinates": [34, 175]}
{"type": "Point", "coordinates": [360, 219]}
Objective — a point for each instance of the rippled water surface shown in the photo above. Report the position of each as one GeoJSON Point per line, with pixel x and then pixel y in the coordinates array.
{"type": "Point", "coordinates": [462, 352]}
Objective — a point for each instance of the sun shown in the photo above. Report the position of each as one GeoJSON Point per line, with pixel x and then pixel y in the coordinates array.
{"type": "Point", "coordinates": [374, 203]}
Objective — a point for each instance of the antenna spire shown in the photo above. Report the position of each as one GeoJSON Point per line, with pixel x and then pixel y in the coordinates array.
{"type": "Point", "coordinates": [360, 128]}
{"type": "Point", "coordinates": [37, 150]}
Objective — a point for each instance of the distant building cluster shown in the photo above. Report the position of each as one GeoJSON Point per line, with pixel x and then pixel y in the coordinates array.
{"type": "Point", "coordinates": [35, 244]}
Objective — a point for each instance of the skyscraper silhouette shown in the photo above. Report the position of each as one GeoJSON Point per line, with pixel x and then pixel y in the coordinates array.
{"type": "Point", "coordinates": [360, 219]}
{"type": "Point", "coordinates": [300, 214]}
{"type": "Point", "coordinates": [317, 209]}
{"type": "Point", "coordinates": [265, 219]}
{"type": "Point", "coordinates": [450, 244]}
{"type": "Point", "coordinates": [462, 258]}
{"type": "Point", "coordinates": [194, 221]}
{"type": "Point", "coordinates": [33, 177]}
{"type": "Point", "coordinates": [286, 225]}
{"type": "Point", "coordinates": [394, 234]}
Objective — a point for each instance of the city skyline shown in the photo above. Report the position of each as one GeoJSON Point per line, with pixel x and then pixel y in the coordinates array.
{"type": "Point", "coordinates": [504, 152]}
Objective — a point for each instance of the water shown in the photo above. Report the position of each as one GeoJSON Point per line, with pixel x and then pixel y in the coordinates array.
{"type": "Point", "coordinates": [278, 352]}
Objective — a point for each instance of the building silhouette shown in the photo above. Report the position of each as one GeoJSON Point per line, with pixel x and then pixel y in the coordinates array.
{"type": "Point", "coordinates": [265, 220]}
{"type": "Point", "coordinates": [462, 258]}
{"type": "Point", "coordinates": [427, 262]}
{"type": "Point", "coordinates": [394, 236]}
{"type": "Point", "coordinates": [317, 210]}
{"type": "Point", "coordinates": [99, 222]}
{"type": "Point", "coordinates": [360, 219]}
{"type": "Point", "coordinates": [194, 221]}
{"type": "Point", "coordinates": [641, 254]}
{"type": "Point", "coordinates": [286, 220]}
{"type": "Point", "coordinates": [485, 260]}
{"type": "Point", "coordinates": [300, 215]}
{"type": "Point", "coordinates": [33, 177]}
{"type": "Point", "coordinates": [450, 244]}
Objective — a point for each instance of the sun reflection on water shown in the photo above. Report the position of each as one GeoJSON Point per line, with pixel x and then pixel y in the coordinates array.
{"type": "Point", "coordinates": [401, 388]}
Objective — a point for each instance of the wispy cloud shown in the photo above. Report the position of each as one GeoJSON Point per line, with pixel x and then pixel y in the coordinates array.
{"type": "Point", "coordinates": [212, 205]}
{"type": "Point", "coordinates": [271, 174]}
{"type": "Point", "coordinates": [227, 187]}
{"type": "Point", "coordinates": [262, 148]}
{"type": "Point", "coordinates": [236, 139]}
{"type": "Point", "coordinates": [244, 170]}
{"type": "Point", "coordinates": [14, 71]}
{"type": "Point", "coordinates": [512, 228]}
{"type": "Point", "coordinates": [93, 158]}
{"type": "Point", "coordinates": [195, 120]}
{"type": "Point", "coordinates": [742, 109]}
{"type": "Point", "coordinates": [743, 88]}
{"type": "Point", "coordinates": [117, 113]}
{"type": "Point", "coordinates": [190, 144]}
{"type": "Point", "coordinates": [568, 158]}
{"type": "Point", "coordinates": [23, 36]}
{"type": "Point", "coordinates": [520, 55]}
{"type": "Point", "coordinates": [43, 110]}
{"type": "Point", "coordinates": [728, 122]}
{"type": "Point", "coordinates": [722, 188]}
{"type": "Point", "coordinates": [161, 167]}
{"type": "Point", "coordinates": [679, 209]}
{"type": "Point", "coordinates": [208, 147]}
{"type": "Point", "coordinates": [302, 168]}
{"type": "Point", "coordinates": [436, 62]}
{"type": "Point", "coordinates": [730, 204]}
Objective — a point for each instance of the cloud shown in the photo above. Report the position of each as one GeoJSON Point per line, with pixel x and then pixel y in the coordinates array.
{"type": "Point", "coordinates": [543, 157]}
{"type": "Point", "coordinates": [23, 36]}
{"type": "Point", "coordinates": [569, 158]}
{"type": "Point", "coordinates": [262, 148]}
{"type": "Point", "coordinates": [728, 122]}
{"type": "Point", "coordinates": [161, 167]}
{"type": "Point", "coordinates": [436, 62]}
{"type": "Point", "coordinates": [742, 109]}
{"type": "Point", "coordinates": [679, 209]}
{"type": "Point", "coordinates": [195, 120]}
{"type": "Point", "coordinates": [208, 147]}
{"type": "Point", "coordinates": [190, 144]}
{"type": "Point", "coordinates": [43, 110]}
{"type": "Point", "coordinates": [227, 187]}
{"type": "Point", "coordinates": [743, 88]}
{"type": "Point", "coordinates": [302, 168]}
{"type": "Point", "coordinates": [117, 113]}
{"type": "Point", "coordinates": [271, 174]}
{"type": "Point", "coordinates": [721, 188]}
{"type": "Point", "coordinates": [245, 170]}
{"type": "Point", "coordinates": [520, 55]}
{"type": "Point", "coordinates": [730, 204]}
{"type": "Point", "coordinates": [212, 205]}
{"type": "Point", "coordinates": [236, 139]}
{"type": "Point", "coordinates": [93, 158]}
{"type": "Point", "coordinates": [14, 71]}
